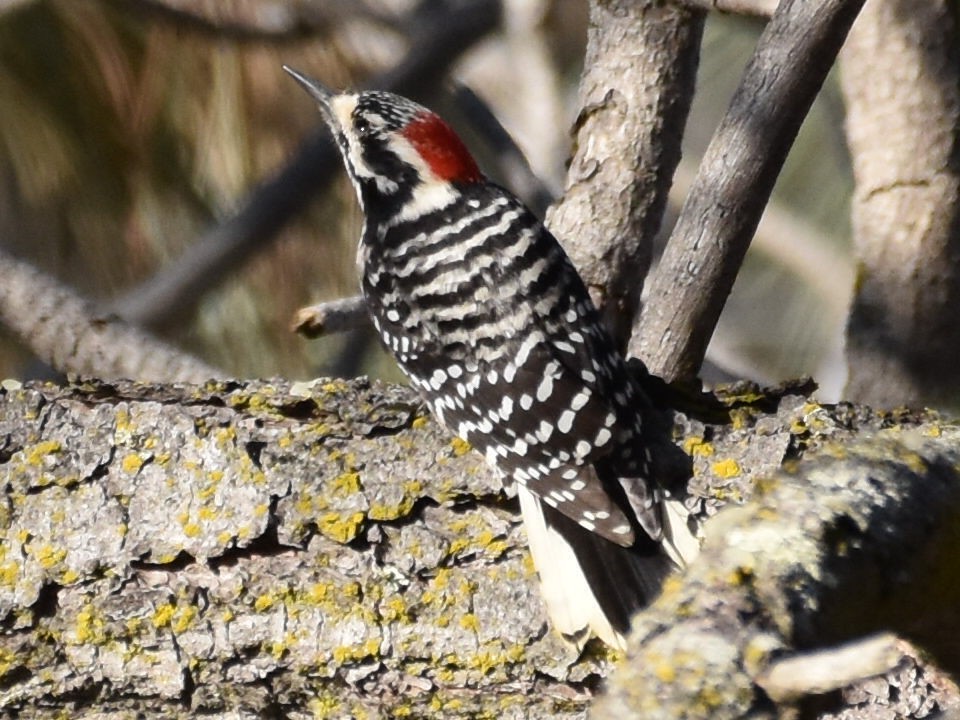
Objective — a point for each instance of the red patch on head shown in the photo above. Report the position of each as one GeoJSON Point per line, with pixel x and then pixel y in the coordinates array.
{"type": "Point", "coordinates": [441, 149]}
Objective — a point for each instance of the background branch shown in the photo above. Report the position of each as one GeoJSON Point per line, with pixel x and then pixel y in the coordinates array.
{"type": "Point", "coordinates": [65, 331]}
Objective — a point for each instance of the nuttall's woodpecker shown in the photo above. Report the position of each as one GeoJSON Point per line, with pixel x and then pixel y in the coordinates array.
{"type": "Point", "coordinates": [486, 315]}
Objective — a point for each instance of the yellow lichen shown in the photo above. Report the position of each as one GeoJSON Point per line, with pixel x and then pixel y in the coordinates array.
{"type": "Point", "coordinates": [9, 573]}
{"type": "Point", "coordinates": [184, 618]}
{"type": "Point", "coordinates": [89, 626]}
{"type": "Point", "coordinates": [441, 580]}
{"type": "Point", "coordinates": [460, 447]}
{"type": "Point", "coordinates": [728, 468]}
{"type": "Point", "coordinates": [469, 621]}
{"type": "Point", "coordinates": [49, 556]}
{"type": "Point", "coordinates": [264, 602]}
{"type": "Point", "coordinates": [225, 436]}
{"type": "Point", "coordinates": [325, 706]}
{"type": "Point", "coordinates": [163, 615]}
{"type": "Point", "coordinates": [318, 592]}
{"type": "Point", "coordinates": [348, 482]}
{"type": "Point", "coordinates": [7, 660]}
{"type": "Point", "coordinates": [697, 447]}
{"type": "Point", "coordinates": [39, 452]}
{"type": "Point", "coordinates": [341, 528]}
{"type": "Point", "coordinates": [131, 463]}
{"type": "Point", "coordinates": [394, 609]}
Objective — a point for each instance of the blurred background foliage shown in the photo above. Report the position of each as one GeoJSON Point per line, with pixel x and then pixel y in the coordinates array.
{"type": "Point", "coordinates": [129, 128]}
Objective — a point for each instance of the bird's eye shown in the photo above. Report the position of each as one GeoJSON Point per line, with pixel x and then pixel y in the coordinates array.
{"type": "Point", "coordinates": [362, 126]}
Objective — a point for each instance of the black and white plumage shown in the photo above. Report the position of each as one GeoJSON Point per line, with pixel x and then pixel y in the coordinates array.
{"type": "Point", "coordinates": [487, 316]}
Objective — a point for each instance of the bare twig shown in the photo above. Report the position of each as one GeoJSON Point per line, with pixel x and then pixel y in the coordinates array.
{"type": "Point", "coordinates": [823, 671]}
{"type": "Point", "coordinates": [331, 317]}
{"type": "Point", "coordinates": [737, 174]}
{"type": "Point", "coordinates": [634, 96]}
{"type": "Point", "coordinates": [178, 287]}
{"type": "Point", "coordinates": [63, 330]}
{"type": "Point", "coordinates": [750, 8]}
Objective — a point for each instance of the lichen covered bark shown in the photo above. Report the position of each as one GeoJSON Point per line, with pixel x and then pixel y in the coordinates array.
{"type": "Point", "coordinates": [233, 550]}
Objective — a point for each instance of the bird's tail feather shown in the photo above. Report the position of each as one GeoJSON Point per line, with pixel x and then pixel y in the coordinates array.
{"type": "Point", "coordinates": [589, 583]}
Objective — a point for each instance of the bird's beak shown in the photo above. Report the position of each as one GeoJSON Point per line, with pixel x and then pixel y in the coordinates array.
{"type": "Point", "coordinates": [318, 92]}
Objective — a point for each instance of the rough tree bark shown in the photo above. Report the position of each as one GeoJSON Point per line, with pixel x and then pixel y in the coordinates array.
{"type": "Point", "coordinates": [247, 550]}
{"type": "Point", "coordinates": [635, 93]}
{"type": "Point", "coordinates": [853, 542]}
{"type": "Point", "coordinates": [901, 81]}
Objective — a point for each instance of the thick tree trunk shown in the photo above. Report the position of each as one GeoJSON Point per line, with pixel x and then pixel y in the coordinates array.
{"type": "Point", "coordinates": [324, 550]}
{"type": "Point", "coordinates": [901, 79]}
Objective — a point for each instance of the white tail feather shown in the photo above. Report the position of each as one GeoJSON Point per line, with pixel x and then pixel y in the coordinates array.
{"type": "Point", "coordinates": [681, 542]}
{"type": "Point", "coordinates": [571, 604]}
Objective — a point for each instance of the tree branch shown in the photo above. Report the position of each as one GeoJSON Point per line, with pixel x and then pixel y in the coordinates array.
{"type": "Point", "coordinates": [859, 539]}
{"type": "Point", "coordinates": [64, 331]}
{"type": "Point", "coordinates": [635, 93]}
{"type": "Point", "coordinates": [326, 548]}
{"type": "Point", "coordinates": [901, 82]}
{"type": "Point", "coordinates": [331, 317]}
{"type": "Point", "coordinates": [737, 174]}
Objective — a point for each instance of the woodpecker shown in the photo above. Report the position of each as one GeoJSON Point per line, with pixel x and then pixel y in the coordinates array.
{"type": "Point", "coordinates": [487, 317]}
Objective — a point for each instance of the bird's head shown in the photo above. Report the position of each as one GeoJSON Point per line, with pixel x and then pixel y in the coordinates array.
{"type": "Point", "coordinates": [393, 148]}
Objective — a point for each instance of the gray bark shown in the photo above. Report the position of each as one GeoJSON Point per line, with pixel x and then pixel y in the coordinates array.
{"type": "Point", "coordinates": [901, 81]}
{"type": "Point", "coordinates": [859, 539]}
{"type": "Point", "coordinates": [635, 93]}
{"type": "Point", "coordinates": [249, 550]}
{"type": "Point", "coordinates": [737, 174]}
